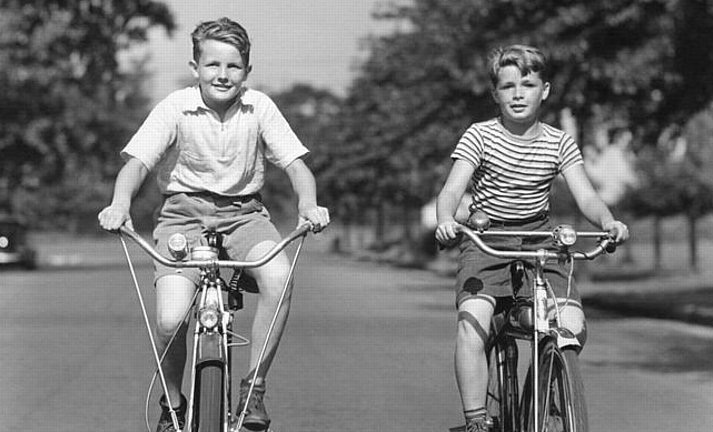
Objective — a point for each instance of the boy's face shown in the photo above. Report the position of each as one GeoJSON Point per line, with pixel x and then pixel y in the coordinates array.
{"type": "Point", "coordinates": [519, 97]}
{"type": "Point", "coordinates": [220, 73]}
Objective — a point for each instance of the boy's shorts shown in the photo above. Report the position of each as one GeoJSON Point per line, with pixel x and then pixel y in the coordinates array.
{"type": "Point", "coordinates": [481, 274]}
{"type": "Point", "coordinates": [243, 221]}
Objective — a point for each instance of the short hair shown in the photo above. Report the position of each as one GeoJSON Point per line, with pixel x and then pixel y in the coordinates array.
{"type": "Point", "coordinates": [223, 30]}
{"type": "Point", "coordinates": [526, 58]}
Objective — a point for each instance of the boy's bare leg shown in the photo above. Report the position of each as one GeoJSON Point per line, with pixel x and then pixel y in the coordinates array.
{"type": "Point", "coordinates": [271, 280]}
{"type": "Point", "coordinates": [173, 298]}
{"type": "Point", "coordinates": [572, 317]}
{"type": "Point", "coordinates": [471, 365]}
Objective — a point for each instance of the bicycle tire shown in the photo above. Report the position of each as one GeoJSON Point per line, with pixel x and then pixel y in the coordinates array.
{"type": "Point", "coordinates": [561, 392]}
{"type": "Point", "coordinates": [209, 399]}
{"type": "Point", "coordinates": [502, 397]}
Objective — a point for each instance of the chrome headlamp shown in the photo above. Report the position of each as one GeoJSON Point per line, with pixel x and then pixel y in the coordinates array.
{"type": "Point", "coordinates": [178, 246]}
{"type": "Point", "coordinates": [209, 317]}
{"type": "Point", "coordinates": [564, 235]}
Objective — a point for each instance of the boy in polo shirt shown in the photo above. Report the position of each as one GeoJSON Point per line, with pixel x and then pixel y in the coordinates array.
{"type": "Point", "coordinates": [510, 163]}
{"type": "Point", "coordinates": [208, 145]}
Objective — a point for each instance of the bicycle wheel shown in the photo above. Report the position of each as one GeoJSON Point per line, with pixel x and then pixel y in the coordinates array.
{"type": "Point", "coordinates": [502, 398]}
{"type": "Point", "coordinates": [561, 393]}
{"type": "Point", "coordinates": [209, 399]}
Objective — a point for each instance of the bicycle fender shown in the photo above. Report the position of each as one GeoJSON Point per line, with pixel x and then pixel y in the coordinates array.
{"type": "Point", "coordinates": [565, 338]}
{"type": "Point", "coordinates": [209, 349]}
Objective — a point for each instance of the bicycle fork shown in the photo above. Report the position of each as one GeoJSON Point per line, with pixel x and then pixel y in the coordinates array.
{"type": "Point", "coordinates": [541, 325]}
{"type": "Point", "coordinates": [210, 346]}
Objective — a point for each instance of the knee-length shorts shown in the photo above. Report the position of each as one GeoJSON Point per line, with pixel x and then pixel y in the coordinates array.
{"type": "Point", "coordinates": [243, 221]}
{"type": "Point", "coordinates": [479, 274]}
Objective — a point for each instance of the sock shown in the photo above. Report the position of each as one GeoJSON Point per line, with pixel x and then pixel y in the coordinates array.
{"type": "Point", "coordinates": [473, 414]}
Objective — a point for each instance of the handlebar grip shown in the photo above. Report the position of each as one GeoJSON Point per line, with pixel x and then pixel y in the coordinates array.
{"type": "Point", "coordinates": [611, 247]}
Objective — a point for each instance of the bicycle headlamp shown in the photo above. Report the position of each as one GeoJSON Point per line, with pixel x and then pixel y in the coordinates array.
{"type": "Point", "coordinates": [178, 246]}
{"type": "Point", "coordinates": [208, 317]}
{"type": "Point", "coordinates": [565, 236]}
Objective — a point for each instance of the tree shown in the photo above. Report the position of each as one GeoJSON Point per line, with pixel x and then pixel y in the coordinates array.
{"type": "Point", "coordinates": [309, 111]}
{"type": "Point", "coordinates": [675, 178]}
{"type": "Point", "coordinates": [421, 86]}
{"type": "Point", "coordinates": [68, 102]}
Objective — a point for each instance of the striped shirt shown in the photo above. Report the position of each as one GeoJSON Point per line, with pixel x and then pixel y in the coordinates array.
{"type": "Point", "coordinates": [513, 176]}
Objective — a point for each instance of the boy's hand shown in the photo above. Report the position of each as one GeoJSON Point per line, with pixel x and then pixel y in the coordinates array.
{"type": "Point", "coordinates": [447, 233]}
{"type": "Point", "coordinates": [113, 217]}
{"type": "Point", "coordinates": [315, 215]}
{"type": "Point", "coordinates": [618, 230]}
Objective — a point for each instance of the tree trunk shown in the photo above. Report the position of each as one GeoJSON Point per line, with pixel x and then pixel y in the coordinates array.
{"type": "Point", "coordinates": [380, 226]}
{"type": "Point", "coordinates": [343, 242]}
{"type": "Point", "coordinates": [657, 242]}
{"type": "Point", "coordinates": [406, 220]}
{"type": "Point", "coordinates": [692, 243]}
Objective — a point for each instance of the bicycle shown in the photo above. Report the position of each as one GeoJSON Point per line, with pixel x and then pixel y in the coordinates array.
{"type": "Point", "coordinates": [552, 397]}
{"type": "Point", "coordinates": [214, 304]}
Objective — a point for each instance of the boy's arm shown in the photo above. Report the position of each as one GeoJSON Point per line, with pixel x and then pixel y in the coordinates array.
{"type": "Point", "coordinates": [128, 181]}
{"type": "Point", "coordinates": [305, 187]}
{"type": "Point", "coordinates": [449, 199]}
{"type": "Point", "coordinates": [591, 205]}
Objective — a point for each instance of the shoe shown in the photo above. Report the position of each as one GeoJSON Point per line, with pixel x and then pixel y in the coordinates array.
{"type": "Point", "coordinates": [165, 424]}
{"type": "Point", "coordinates": [256, 418]}
{"type": "Point", "coordinates": [480, 424]}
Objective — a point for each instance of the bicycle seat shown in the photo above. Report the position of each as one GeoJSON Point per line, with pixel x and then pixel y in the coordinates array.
{"type": "Point", "coordinates": [240, 281]}
{"type": "Point", "coordinates": [517, 276]}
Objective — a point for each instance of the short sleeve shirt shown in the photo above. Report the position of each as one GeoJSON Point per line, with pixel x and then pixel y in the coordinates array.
{"type": "Point", "coordinates": [513, 176]}
{"type": "Point", "coordinates": [193, 150]}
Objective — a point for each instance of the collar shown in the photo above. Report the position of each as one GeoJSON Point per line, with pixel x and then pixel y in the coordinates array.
{"type": "Point", "coordinates": [194, 100]}
{"type": "Point", "coordinates": [532, 135]}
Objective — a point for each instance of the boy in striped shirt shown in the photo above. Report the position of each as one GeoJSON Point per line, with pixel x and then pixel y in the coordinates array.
{"type": "Point", "coordinates": [509, 162]}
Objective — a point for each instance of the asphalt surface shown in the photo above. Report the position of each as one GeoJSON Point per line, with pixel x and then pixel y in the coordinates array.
{"type": "Point", "coordinates": [368, 348]}
{"type": "Point", "coordinates": [616, 286]}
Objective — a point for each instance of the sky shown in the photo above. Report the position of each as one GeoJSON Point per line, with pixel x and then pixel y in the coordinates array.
{"type": "Point", "coordinates": [307, 41]}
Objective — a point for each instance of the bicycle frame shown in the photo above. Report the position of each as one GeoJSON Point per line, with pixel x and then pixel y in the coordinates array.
{"type": "Point", "coordinates": [212, 329]}
{"type": "Point", "coordinates": [539, 318]}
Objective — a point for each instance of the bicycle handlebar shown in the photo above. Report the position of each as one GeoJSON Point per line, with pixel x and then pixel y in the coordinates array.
{"type": "Point", "coordinates": [605, 241]}
{"type": "Point", "coordinates": [301, 231]}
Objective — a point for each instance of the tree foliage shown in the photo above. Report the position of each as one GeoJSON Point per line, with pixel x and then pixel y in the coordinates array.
{"type": "Point", "coordinates": [69, 102]}
{"type": "Point", "coordinates": [642, 63]}
{"type": "Point", "coordinates": [310, 112]}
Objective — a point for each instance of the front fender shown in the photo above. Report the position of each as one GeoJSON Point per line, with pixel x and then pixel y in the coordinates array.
{"type": "Point", "coordinates": [565, 338]}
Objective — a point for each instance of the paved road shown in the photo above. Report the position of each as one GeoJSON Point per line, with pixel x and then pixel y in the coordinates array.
{"type": "Point", "coordinates": [368, 348]}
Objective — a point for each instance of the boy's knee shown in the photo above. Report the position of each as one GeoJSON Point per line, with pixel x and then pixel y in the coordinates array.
{"type": "Point", "coordinates": [573, 320]}
{"type": "Point", "coordinates": [167, 324]}
{"type": "Point", "coordinates": [470, 332]}
{"type": "Point", "coordinates": [272, 281]}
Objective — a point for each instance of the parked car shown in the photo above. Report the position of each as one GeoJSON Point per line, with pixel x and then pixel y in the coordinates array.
{"type": "Point", "coordinates": [14, 249]}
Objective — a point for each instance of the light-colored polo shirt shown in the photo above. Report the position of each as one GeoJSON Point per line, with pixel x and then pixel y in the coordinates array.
{"type": "Point", "coordinates": [192, 150]}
